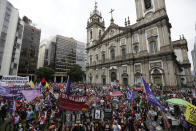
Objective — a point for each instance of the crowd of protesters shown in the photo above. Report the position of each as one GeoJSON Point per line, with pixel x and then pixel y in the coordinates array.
{"type": "Point", "coordinates": [136, 115]}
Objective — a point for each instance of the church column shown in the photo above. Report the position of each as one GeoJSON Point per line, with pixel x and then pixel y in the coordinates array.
{"type": "Point", "coordinates": [161, 35]}
{"type": "Point", "coordinates": [107, 53]}
{"type": "Point", "coordinates": [166, 72]}
{"type": "Point", "coordinates": [140, 35]}
{"type": "Point", "coordinates": [145, 71]}
{"type": "Point", "coordinates": [118, 74]}
{"type": "Point", "coordinates": [143, 42]}
{"type": "Point", "coordinates": [166, 34]}
{"type": "Point", "coordinates": [131, 75]}
{"type": "Point", "coordinates": [107, 76]}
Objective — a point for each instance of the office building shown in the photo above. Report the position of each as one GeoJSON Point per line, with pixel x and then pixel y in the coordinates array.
{"type": "Point", "coordinates": [9, 37]}
{"type": "Point", "coordinates": [29, 50]}
{"type": "Point", "coordinates": [59, 53]}
{"type": "Point", "coordinates": [81, 55]}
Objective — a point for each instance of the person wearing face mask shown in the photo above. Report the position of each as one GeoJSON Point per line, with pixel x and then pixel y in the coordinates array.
{"type": "Point", "coordinates": [21, 128]}
{"type": "Point", "coordinates": [16, 120]}
{"type": "Point", "coordinates": [116, 126]}
{"type": "Point", "coordinates": [29, 116]}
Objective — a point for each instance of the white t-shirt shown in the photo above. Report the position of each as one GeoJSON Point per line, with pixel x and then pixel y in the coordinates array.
{"type": "Point", "coordinates": [116, 127]}
{"type": "Point", "coordinates": [16, 119]}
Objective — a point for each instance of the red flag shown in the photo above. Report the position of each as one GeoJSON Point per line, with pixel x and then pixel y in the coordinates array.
{"type": "Point", "coordinates": [60, 86]}
{"type": "Point", "coordinates": [143, 97]}
{"type": "Point", "coordinates": [43, 82]}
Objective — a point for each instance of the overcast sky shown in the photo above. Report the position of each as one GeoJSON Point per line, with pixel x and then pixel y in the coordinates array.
{"type": "Point", "coordinates": [69, 17]}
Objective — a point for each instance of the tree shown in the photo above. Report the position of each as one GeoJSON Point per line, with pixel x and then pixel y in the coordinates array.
{"type": "Point", "coordinates": [26, 20]}
{"type": "Point", "coordinates": [45, 72]}
{"type": "Point", "coordinates": [76, 74]}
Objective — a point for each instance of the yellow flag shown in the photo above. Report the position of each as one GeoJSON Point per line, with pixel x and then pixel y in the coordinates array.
{"type": "Point", "coordinates": [31, 84]}
{"type": "Point", "coordinates": [47, 85]}
{"type": "Point", "coordinates": [191, 114]}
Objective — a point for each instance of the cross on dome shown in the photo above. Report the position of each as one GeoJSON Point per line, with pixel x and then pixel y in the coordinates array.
{"type": "Point", "coordinates": [112, 10]}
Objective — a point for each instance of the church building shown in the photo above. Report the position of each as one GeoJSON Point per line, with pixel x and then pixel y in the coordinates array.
{"type": "Point", "coordinates": [144, 49]}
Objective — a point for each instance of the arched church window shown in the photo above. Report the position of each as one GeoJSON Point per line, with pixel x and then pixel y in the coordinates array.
{"type": "Point", "coordinates": [112, 53]}
{"type": "Point", "coordinates": [99, 33]}
{"type": "Point", "coordinates": [91, 34]}
{"type": "Point", "coordinates": [136, 49]}
{"type": "Point", "coordinates": [97, 57]}
{"type": "Point", "coordinates": [103, 58]}
{"type": "Point", "coordinates": [123, 53]}
{"type": "Point", "coordinates": [91, 60]}
{"type": "Point", "coordinates": [153, 47]}
{"type": "Point", "coordinates": [125, 81]}
{"type": "Point", "coordinates": [156, 71]}
{"type": "Point", "coordinates": [113, 76]}
{"type": "Point", "coordinates": [148, 4]}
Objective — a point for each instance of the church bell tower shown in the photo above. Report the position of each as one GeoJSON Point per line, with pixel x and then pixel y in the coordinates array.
{"type": "Point", "coordinates": [95, 27]}
{"type": "Point", "coordinates": [147, 7]}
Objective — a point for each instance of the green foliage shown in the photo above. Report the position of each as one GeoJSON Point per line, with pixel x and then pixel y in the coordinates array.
{"type": "Point", "coordinates": [45, 72]}
{"type": "Point", "coordinates": [26, 19]}
{"type": "Point", "coordinates": [76, 74]}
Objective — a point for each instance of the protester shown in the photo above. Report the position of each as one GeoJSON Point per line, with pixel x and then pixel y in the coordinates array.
{"type": "Point", "coordinates": [131, 109]}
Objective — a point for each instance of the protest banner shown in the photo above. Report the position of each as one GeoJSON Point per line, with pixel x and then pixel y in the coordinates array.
{"type": "Point", "coordinates": [4, 91]}
{"type": "Point", "coordinates": [16, 94]}
{"type": "Point", "coordinates": [31, 94]}
{"type": "Point", "coordinates": [16, 80]}
{"type": "Point", "coordinates": [91, 100]}
{"type": "Point", "coordinates": [72, 103]}
{"type": "Point", "coordinates": [3, 83]}
{"type": "Point", "coordinates": [191, 114]}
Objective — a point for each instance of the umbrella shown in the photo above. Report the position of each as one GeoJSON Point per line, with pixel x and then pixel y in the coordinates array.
{"type": "Point", "coordinates": [176, 101]}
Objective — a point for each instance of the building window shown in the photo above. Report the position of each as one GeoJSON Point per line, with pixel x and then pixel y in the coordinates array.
{"type": "Point", "coordinates": [112, 53]}
{"type": "Point", "coordinates": [136, 49]}
{"type": "Point", "coordinates": [103, 58]}
{"type": "Point", "coordinates": [122, 41]}
{"type": "Point", "coordinates": [153, 47]}
{"type": "Point", "coordinates": [123, 53]}
{"type": "Point", "coordinates": [99, 33]}
{"type": "Point", "coordinates": [113, 76]}
{"type": "Point", "coordinates": [97, 58]}
{"type": "Point", "coordinates": [112, 33]}
{"type": "Point", "coordinates": [148, 4]}
{"type": "Point", "coordinates": [104, 81]}
{"type": "Point", "coordinates": [91, 60]}
{"type": "Point", "coordinates": [91, 34]}
{"type": "Point", "coordinates": [124, 69]}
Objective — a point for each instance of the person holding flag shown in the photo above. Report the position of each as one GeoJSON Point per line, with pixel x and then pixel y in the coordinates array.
{"type": "Point", "coordinates": [68, 89]}
{"type": "Point", "coordinates": [130, 95]}
{"type": "Point", "coordinates": [151, 98]}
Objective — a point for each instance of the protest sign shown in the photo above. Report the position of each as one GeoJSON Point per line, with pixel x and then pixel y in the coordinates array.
{"type": "Point", "coordinates": [31, 94]}
{"type": "Point", "coordinates": [16, 94]}
{"type": "Point", "coordinates": [107, 114]}
{"type": "Point", "coordinates": [4, 91]}
{"type": "Point", "coordinates": [3, 83]}
{"type": "Point", "coordinates": [191, 114]}
{"type": "Point", "coordinates": [72, 103]}
{"type": "Point", "coordinates": [16, 80]}
{"type": "Point", "coordinates": [97, 114]}
{"type": "Point", "coordinates": [91, 100]}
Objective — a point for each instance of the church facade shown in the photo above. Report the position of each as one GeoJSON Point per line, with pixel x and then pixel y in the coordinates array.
{"type": "Point", "coordinates": [144, 49]}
